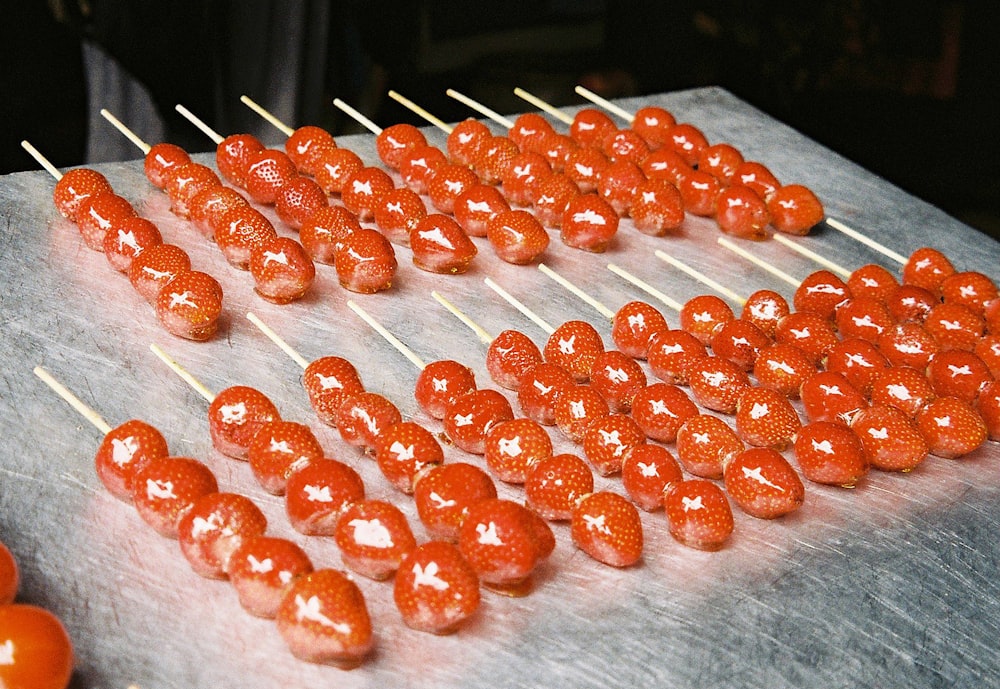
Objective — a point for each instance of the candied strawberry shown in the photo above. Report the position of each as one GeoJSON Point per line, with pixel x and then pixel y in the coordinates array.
{"type": "Point", "coordinates": [646, 471]}
{"type": "Point", "coordinates": [513, 446]}
{"type": "Point", "coordinates": [394, 141]}
{"type": "Point", "coordinates": [970, 289]}
{"type": "Point", "coordinates": [261, 568]}
{"type": "Point", "coordinates": [184, 182]}
{"type": "Point", "coordinates": [657, 207]}
{"type": "Point", "coordinates": [448, 183]}
{"type": "Point", "coordinates": [951, 427]}
{"type": "Point", "coordinates": [361, 418]}
{"type": "Point", "coordinates": [810, 332]}
{"type": "Point", "coordinates": [214, 527]}
{"type": "Point", "coordinates": [988, 407]}
{"type": "Point", "coordinates": [465, 139]}
{"type": "Point", "coordinates": [763, 483]}
{"type": "Point", "coordinates": [494, 158]}
{"type": "Point", "coordinates": [554, 484]}
{"type": "Point", "coordinates": [703, 444]}
{"type": "Point", "coordinates": [366, 262]}
{"type": "Point", "coordinates": [588, 223]}
{"type": "Point", "coordinates": [634, 325]}
{"type": "Point", "coordinates": [235, 416]}
{"type": "Point", "coordinates": [722, 161]}
{"type": "Point", "coordinates": [298, 199]}
{"type": "Point", "coordinates": [702, 314]}
{"type": "Point", "coordinates": [554, 192]}
{"type": "Point", "coordinates": [576, 407]}
{"type": "Point", "coordinates": [440, 383]}
{"type": "Point", "coordinates": [443, 494]}
{"type": "Point", "coordinates": [100, 213]}
{"type": "Point", "coordinates": [829, 396]}
{"type": "Point", "coordinates": [398, 213]}
{"type": "Point", "coordinates": [305, 147]}
{"type": "Point", "coordinates": [821, 293]}
{"type": "Point", "coordinates": [739, 341]}
{"type": "Point", "coordinates": [830, 453]}
{"type": "Point", "coordinates": [316, 494]}
{"type": "Point", "coordinates": [38, 650]}
{"type": "Point", "coordinates": [363, 191]}
{"type": "Point", "coordinates": [872, 281]}
{"type": "Point", "coordinates": [607, 527]}
{"type": "Point", "coordinates": [402, 450]}
{"type": "Point", "coordinates": [891, 439]}
{"type": "Point", "coordinates": [617, 185]}
{"type": "Point", "coordinates": [129, 238]}
{"type": "Point", "coordinates": [988, 350]}
{"type": "Point", "coordinates": [419, 165]}
{"type": "Point", "coordinates": [857, 360]}
{"type": "Point", "coordinates": [165, 488]}
{"type": "Point", "coordinates": [909, 303]}
{"type": "Point", "coordinates": [279, 449]}
{"type": "Point", "coordinates": [528, 130]}
{"type": "Point", "coordinates": [741, 212]}
{"type": "Point", "coordinates": [908, 344]}
{"type": "Point", "coordinates": [699, 191]}
{"type": "Point", "coordinates": [373, 537]}
{"type": "Point", "coordinates": [902, 387]}
{"type": "Point", "coordinates": [688, 141]}
{"type": "Point", "coordinates": [500, 539]}
{"type": "Point", "coordinates": [766, 418]}
{"type": "Point", "coordinates": [653, 124]}
{"type": "Point", "coordinates": [334, 167]}
{"type": "Point", "coordinates": [584, 166]}
{"type": "Point", "coordinates": [608, 439]}
{"type": "Point", "coordinates": [282, 270]}
{"type": "Point", "coordinates": [590, 127]}
{"type": "Point", "coordinates": [239, 231]}
{"type": "Point", "coordinates": [233, 154]}
{"type": "Point", "coordinates": [927, 268]}
{"type": "Point", "coordinates": [328, 381]}
{"type": "Point", "coordinates": [794, 209]}
{"type": "Point", "coordinates": [440, 245]}
{"type": "Point", "coordinates": [539, 388]}
{"type": "Point", "coordinates": [75, 187]}
{"type": "Point", "coordinates": [863, 317]}
{"type": "Point", "coordinates": [957, 373]}
{"type": "Point", "coordinates": [954, 326]}
{"type": "Point", "coordinates": [516, 236]}
{"type": "Point", "coordinates": [618, 378]}
{"type": "Point", "coordinates": [469, 418]}
{"type": "Point", "coordinates": [323, 232]}
{"type": "Point", "coordinates": [717, 384]}
{"type": "Point", "coordinates": [9, 576]}
{"type": "Point", "coordinates": [123, 451]}
{"type": "Point", "coordinates": [756, 176]}
{"type": "Point", "coordinates": [156, 267]}
{"type": "Point", "coordinates": [268, 171]}
{"type": "Point", "coordinates": [671, 352]}
{"type": "Point", "coordinates": [323, 618]}
{"type": "Point", "coordinates": [574, 345]}
{"type": "Point", "coordinates": [666, 164]}
{"type": "Point", "coordinates": [510, 355]}
{"type": "Point", "coordinates": [160, 158]}
{"type": "Point", "coordinates": [661, 409]}
{"type": "Point", "coordinates": [209, 205]}
{"type": "Point", "coordinates": [436, 589]}
{"type": "Point", "coordinates": [783, 368]}
{"type": "Point", "coordinates": [189, 306]}
{"type": "Point", "coordinates": [698, 514]}
{"type": "Point", "coordinates": [477, 206]}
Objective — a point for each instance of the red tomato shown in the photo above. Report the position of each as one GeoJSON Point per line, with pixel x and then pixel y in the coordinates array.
{"type": "Point", "coordinates": [35, 650]}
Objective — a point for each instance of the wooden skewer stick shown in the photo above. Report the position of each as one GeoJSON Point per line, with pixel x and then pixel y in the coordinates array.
{"type": "Point", "coordinates": [759, 262]}
{"type": "Point", "coordinates": [480, 108]}
{"type": "Point", "coordinates": [276, 339]}
{"type": "Point", "coordinates": [74, 401]}
{"type": "Point", "coordinates": [606, 104]}
{"type": "Point", "coordinates": [646, 287]}
{"type": "Point", "coordinates": [510, 299]}
{"type": "Point", "coordinates": [867, 241]}
{"type": "Point", "coordinates": [197, 122]}
{"type": "Point", "coordinates": [358, 117]}
{"type": "Point", "coordinates": [812, 255]}
{"type": "Point", "coordinates": [183, 373]}
{"type": "Point", "coordinates": [601, 308]}
{"type": "Point", "coordinates": [129, 134]}
{"type": "Point", "coordinates": [700, 277]}
{"type": "Point", "coordinates": [267, 115]}
{"type": "Point", "coordinates": [386, 335]}
{"type": "Point", "coordinates": [542, 105]}
{"type": "Point", "coordinates": [416, 109]}
{"type": "Point", "coordinates": [484, 336]}
{"type": "Point", "coordinates": [41, 160]}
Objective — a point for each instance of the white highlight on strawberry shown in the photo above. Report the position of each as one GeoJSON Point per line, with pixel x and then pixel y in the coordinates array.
{"type": "Point", "coordinates": [429, 576]}
{"type": "Point", "coordinates": [440, 502]}
{"type": "Point", "coordinates": [758, 476]}
{"type": "Point", "coordinates": [280, 446]}
{"type": "Point", "coordinates": [161, 490]}
{"type": "Point", "coordinates": [233, 413]}
{"type": "Point", "coordinates": [318, 493]}
{"type": "Point", "coordinates": [371, 532]}
{"type": "Point", "coordinates": [260, 566]}
{"type": "Point", "coordinates": [759, 410]}
{"type": "Point", "coordinates": [616, 375]}
{"type": "Point", "coordinates": [596, 523]}
{"type": "Point", "coordinates": [488, 534]}
{"type": "Point", "coordinates": [510, 446]}
{"type": "Point", "coordinates": [312, 610]}
{"type": "Point", "coordinates": [436, 236]}
{"type": "Point", "coordinates": [7, 653]}
{"type": "Point", "coordinates": [182, 299]}
{"type": "Point", "coordinates": [123, 449]}
{"type": "Point", "coordinates": [692, 503]}
{"type": "Point", "coordinates": [403, 453]}
{"type": "Point", "coordinates": [648, 470]}
{"type": "Point", "coordinates": [329, 382]}
{"type": "Point", "coordinates": [271, 257]}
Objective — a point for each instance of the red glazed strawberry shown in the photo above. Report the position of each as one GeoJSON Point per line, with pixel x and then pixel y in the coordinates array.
{"type": "Point", "coordinates": [129, 238]}
{"type": "Point", "coordinates": [988, 406]}
{"type": "Point", "coordinates": [470, 417]}
{"type": "Point", "coordinates": [617, 185]}
{"type": "Point", "coordinates": [954, 326]}
{"type": "Point", "coordinates": [183, 184]}
{"type": "Point", "coordinates": [795, 209]}
{"type": "Point", "coordinates": [891, 440]}
{"type": "Point", "coordinates": [717, 384]}
{"type": "Point", "coordinates": [829, 396]}
{"type": "Point", "coordinates": [440, 245]}
{"type": "Point", "coordinates": [316, 494]}
{"type": "Point", "coordinates": [608, 439]}
{"type": "Point", "coordinates": [75, 187]}
{"type": "Point", "coordinates": [951, 427]}
{"type": "Point", "coordinates": [323, 232]}
{"type": "Point", "coordinates": [666, 164]}
{"type": "Point", "coordinates": [239, 231]}
{"type": "Point", "coordinates": [210, 205]}
{"type": "Point", "coordinates": [443, 494]}
{"type": "Point", "coordinates": [618, 378]}
{"type": "Point", "coordinates": [810, 332]}
{"type": "Point", "coordinates": [576, 407]}
{"type": "Point", "coordinates": [783, 368]}
{"type": "Point", "coordinates": [671, 352]}
{"type": "Point", "coordinates": [700, 192]}
{"type": "Point", "coordinates": [398, 213]}
{"type": "Point", "coordinates": [361, 418]}
{"type": "Point", "coordinates": [908, 344]}
{"type": "Point", "coordinates": [123, 451]}
{"type": "Point", "coordinates": [590, 127]}
{"type": "Point", "coordinates": [688, 141]}
{"type": "Point", "coordinates": [703, 444]}
{"type": "Point", "coordinates": [552, 196]}
{"type": "Point", "coordinates": [555, 484]}
{"type": "Point", "coordinates": [160, 158]}
{"type": "Point", "coordinates": [970, 289]}
{"type": "Point", "coordinates": [500, 539]}
{"type": "Point", "coordinates": [448, 183]}
{"type": "Point", "coordinates": [279, 449]}
{"type": "Point", "coordinates": [155, 267]}
{"type": "Point", "coordinates": [830, 453]}
{"type": "Point", "coordinates": [260, 570]}
{"type": "Point", "coordinates": [607, 527]}
{"type": "Point", "coordinates": [512, 447]}
{"type": "Point", "coordinates": [494, 158]}
{"type": "Point", "coordinates": [766, 418]}
{"type": "Point", "coordinates": [522, 176]}
{"type": "Point", "coordinates": [702, 314]}
{"type": "Point", "coordinates": [741, 212]}
{"type": "Point", "coordinates": [857, 360]}
{"type": "Point", "coordinates": [165, 488]}
{"type": "Point", "coordinates": [232, 157]}
{"type": "Point", "coordinates": [393, 142]}
{"type": "Point", "coordinates": [557, 148]}
{"type": "Point", "coordinates": [721, 160]}
{"type": "Point", "coordinates": [323, 618]}
{"type": "Point", "coordinates": [863, 317]}
{"type": "Point", "coordinates": [510, 355]}
{"type": "Point", "coordinates": [38, 653]}
{"type": "Point", "coordinates": [528, 129]}
{"type": "Point", "coordinates": [757, 177]}
{"type": "Point", "coordinates": [633, 326]}
{"type": "Point", "coordinates": [436, 589]}
{"type": "Point", "coordinates": [657, 207]}
{"type": "Point", "coordinates": [282, 270]}
{"type": "Point", "coordinates": [653, 124]}
{"type": "Point", "coordinates": [419, 165]}
{"type": "Point", "coordinates": [328, 381]}
{"type": "Point", "coordinates": [988, 350]}
{"type": "Point", "coordinates": [584, 166]}
{"type": "Point", "coordinates": [214, 527]}
{"type": "Point", "coordinates": [334, 167]}
{"type": "Point", "coordinates": [927, 268]}
{"type": "Point", "coordinates": [402, 450]}
{"type": "Point", "coordinates": [235, 416]}
{"type": "Point", "coordinates": [763, 483]}
{"type": "Point", "coordinates": [305, 147]}
{"type": "Point", "coordinates": [268, 171]}
{"type": "Point", "coordinates": [9, 576]}
{"type": "Point", "coordinates": [909, 303]}
{"type": "Point", "coordinates": [363, 191]}
{"type": "Point", "coordinates": [902, 387]}
{"type": "Point", "coordinates": [539, 388]}
{"type": "Point", "coordinates": [646, 471]}
{"type": "Point", "coordinates": [872, 281]}
{"type": "Point", "coordinates": [189, 306]}
{"type": "Point", "coordinates": [373, 537]}
{"type": "Point", "coordinates": [100, 214]}
{"type": "Point", "coordinates": [821, 293]}
{"type": "Point", "coordinates": [366, 263]}
{"type": "Point", "coordinates": [516, 236]}
{"type": "Point", "coordinates": [298, 199]}
{"type": "Point", "coordinates": [698, 514]}
{"type": "Point", "coordinates": [588, 223]}
{"type": "Point", "coordinates": [477, 206]}
{"type": "Point", "coordinates": [955, 373]}
{"type": "Point", "coordinates": [465, 139]}
{"type": "Point", "coordinates": [661, 409]}
{"type": "Point", "coordinates": [575, 345]}
{"type": "Point", "coordinates": [440, 383]}
{"type": "Point", "coordinates": [740, 342]}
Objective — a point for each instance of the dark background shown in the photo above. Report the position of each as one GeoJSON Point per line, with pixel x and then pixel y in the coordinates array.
{"type": "Point", "coordinates": [908, 90]}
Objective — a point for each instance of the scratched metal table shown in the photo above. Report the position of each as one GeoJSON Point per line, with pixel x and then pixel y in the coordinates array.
{"type": "Point", "coordinates": [892, 583]}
